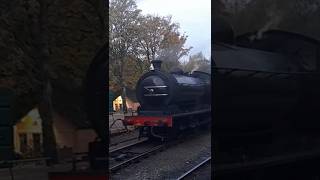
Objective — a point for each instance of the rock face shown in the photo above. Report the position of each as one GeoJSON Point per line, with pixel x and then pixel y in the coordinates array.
{"type": "Point", "coordinates": [76, 30]}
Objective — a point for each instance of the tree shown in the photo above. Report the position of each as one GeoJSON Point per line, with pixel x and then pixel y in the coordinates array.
{"type": "Point", "coordinates": [36, 48]}
{"type": "Point", "coordinates": [46, 48]}
{"type": "Point", "coordinates": [122, 19]}
{"type": "Point", "coordinates": [45, 103]}
{"type": "Point", "coordinates": [172, 49]}
{"type": "Point", "coordinates": [131, 74]}
{"type": "Point", "coordinates": [135, 40]}
{"type": "Point", "coordinates": [159, 38]}
{"type": "Point", "coordinates": [43, 45]}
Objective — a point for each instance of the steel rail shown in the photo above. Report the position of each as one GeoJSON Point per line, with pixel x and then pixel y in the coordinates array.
{"type": "Point", "coordinates": [194, 168]}
{"type": "Point", "coordinates": [145, 154]}
{"type": "Point", "coordinates": [151, 150]}
{"type": "Point", "coordinates": [140, 156]}
{"type": "Point", "coordinates": [128, 146]}
{"type": "Point", "coordinates": [126, 140]}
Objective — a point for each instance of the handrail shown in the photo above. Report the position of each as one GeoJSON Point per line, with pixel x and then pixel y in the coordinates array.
{"type": "Point", "coordinates": [255, 72]}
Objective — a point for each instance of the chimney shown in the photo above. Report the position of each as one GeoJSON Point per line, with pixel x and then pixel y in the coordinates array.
{"type": "Point", "coordinates": [156, 64]}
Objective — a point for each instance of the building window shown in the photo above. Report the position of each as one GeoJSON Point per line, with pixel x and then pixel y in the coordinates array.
{"type": "Point", "coordinates": [23, 142]}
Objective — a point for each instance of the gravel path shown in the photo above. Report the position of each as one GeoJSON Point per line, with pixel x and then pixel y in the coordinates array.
{"type": "Point", "coordinates": [170, 163]}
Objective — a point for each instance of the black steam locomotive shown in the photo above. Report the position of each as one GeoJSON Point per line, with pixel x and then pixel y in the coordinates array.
{"type": "Point", "coordinates": [265, 88]}
{"type": "Point", "coordinates": [171, 102]}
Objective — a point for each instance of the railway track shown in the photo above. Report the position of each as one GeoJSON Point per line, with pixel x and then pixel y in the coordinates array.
{"type": "Point", "coordinates": [123, 156]}
{"type": "Point", "coordinates": [135, 152]}
{"type": "Point", "coordinates": [123, 141]}
{"type": "Point", "coordinates": [190, 173]}
{"type": "Point", "coordinates": [125, 138]}
{"type": "Point", "coordinates": [114, 149]}
{"type": "Point", "coordinates": [136, 158]}
{"type": "Point", "coordinates": [126, 141]}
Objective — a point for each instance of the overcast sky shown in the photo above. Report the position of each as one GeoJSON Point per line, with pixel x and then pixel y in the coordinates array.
{"type": "Point", "coordinates": [193, 16]}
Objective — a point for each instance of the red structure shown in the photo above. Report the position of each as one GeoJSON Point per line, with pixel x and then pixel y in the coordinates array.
{"type": "Point", "coordinates": [148, 120]}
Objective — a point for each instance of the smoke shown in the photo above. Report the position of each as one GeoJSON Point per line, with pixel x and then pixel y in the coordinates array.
{"type": "Point", "coordinates": [274, 17]}
{"type": "Point", "coordinates": [151, 68]}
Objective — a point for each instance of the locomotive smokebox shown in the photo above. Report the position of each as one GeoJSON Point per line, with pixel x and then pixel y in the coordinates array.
{"type": "Point", "coordinates": [156, 64]}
